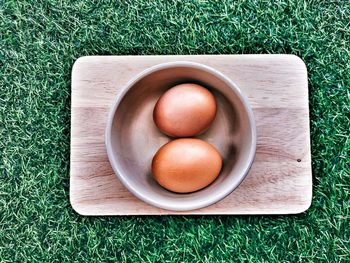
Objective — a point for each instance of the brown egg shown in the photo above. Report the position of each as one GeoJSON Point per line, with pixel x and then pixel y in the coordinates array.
{"type": "Point", "coordinates": [185, 110]}
{"type": "Point", "coordinates": [186, 165]}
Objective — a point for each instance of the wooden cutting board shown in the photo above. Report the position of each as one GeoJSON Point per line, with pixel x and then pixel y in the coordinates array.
{"type": "Point", "coordinates": [280, 180]}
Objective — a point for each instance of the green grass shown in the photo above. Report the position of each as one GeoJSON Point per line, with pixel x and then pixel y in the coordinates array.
{"type": "Point", "coordinates": [39, 42]}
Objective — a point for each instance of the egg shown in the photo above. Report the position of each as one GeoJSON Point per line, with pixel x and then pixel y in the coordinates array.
{"type": "Point", "coordinates": [185, 110]}
{"type": "Point", "coordinates": [186, 165]}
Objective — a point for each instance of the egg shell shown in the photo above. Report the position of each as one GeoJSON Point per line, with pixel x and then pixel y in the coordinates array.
{"type": "Point", "coordinates": [186, 165]}
{"type": "Point", "coordinates": [185, 110]}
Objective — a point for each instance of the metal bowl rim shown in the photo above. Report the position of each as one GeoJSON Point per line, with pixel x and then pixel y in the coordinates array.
{"type": "Point", "coordinates": [215, 197]}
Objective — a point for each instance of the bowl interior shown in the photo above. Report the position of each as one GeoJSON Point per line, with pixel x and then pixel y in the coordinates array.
{"type": "Point", "coordinates": [134, 138]}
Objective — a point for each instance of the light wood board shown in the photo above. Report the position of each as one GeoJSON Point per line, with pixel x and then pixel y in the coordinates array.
{"type": "Point", "coordinates": [280, 180]}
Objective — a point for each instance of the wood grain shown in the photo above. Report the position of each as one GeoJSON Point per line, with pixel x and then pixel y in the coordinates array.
{"type": "Point", "coordinates": [280, 180]}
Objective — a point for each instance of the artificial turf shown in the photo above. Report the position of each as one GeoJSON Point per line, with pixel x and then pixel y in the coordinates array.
{"type": "Point", "coordinates": [39, 42]}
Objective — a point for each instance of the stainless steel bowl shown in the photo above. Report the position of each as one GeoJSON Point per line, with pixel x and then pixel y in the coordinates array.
{"type": "Point", "coordinates": [132, 138]}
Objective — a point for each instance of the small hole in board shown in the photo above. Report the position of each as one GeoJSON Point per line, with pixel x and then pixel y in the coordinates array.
{"type": "Point", "coordinates": [298, 160]}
